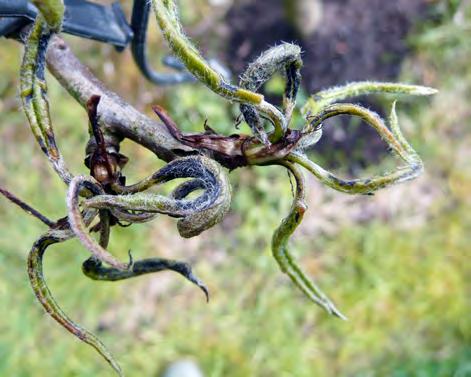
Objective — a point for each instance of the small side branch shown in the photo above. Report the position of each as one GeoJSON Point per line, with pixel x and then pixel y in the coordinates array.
{"type": "Point", "coordinates": [167, 18]}
{"type": "Point", "coordinates": [285, 57]}
{"type": "Point", "coordinates": [95, 270]}
{"type": "Point", "coordinates": [33, 93]}
{"type": "Point", "coordinates": [394, 139]}
{"type": "Point", "coordinates": [44, 295]}
{"type": "Point", "coordinates": [320, 100]}
{"type": "Point", "coordinates": [77, 222]}
{"type": "Point", "coordinates": [26, 207]}
{"type": "Point", "coordinates": [281, 252]}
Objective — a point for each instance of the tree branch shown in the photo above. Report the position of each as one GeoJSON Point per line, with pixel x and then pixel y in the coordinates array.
{"type": "Point", "coordinates": [118, 116]}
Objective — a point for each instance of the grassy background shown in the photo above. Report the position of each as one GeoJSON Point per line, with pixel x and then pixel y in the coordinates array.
{"type": "Point", "coordinates": [397, 264]}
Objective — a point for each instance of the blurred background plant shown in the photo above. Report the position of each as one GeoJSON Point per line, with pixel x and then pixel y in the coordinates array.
{"type": "Point", "coordinates": [397, 263]}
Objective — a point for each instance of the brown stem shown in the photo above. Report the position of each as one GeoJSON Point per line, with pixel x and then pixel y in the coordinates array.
{"type": "Point", "coordinates": [27, 208]}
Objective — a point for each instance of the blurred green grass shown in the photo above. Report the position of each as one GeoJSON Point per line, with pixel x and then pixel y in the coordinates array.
{"type": "Point", "coordinates": [404, 286]}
